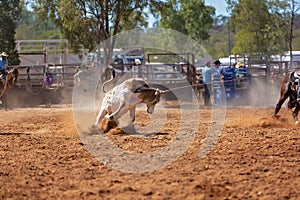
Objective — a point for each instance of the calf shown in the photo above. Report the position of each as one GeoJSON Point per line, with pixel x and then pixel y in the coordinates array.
{"type": "Point", "coordinates": [125, 97]}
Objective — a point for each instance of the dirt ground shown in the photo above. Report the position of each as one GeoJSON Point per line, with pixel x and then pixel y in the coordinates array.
{"type": "Point", "coordinates": [257, 157]}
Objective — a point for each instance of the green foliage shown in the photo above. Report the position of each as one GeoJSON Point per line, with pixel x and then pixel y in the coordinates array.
{"type": "Point", "coordinates": [256, 26]}
{"type": "Point", "coordinates": [30, 27]}
{"type": "Point", "coordinates": [261, 26]}
{"type": "Point", "coordinates": [296, 39]}
{"type": "Point", "coordinates": [190, 17]}
{"type": "Point", "coordinates": [91, 22]}
{"type": "Point", "coordinates": [9, 14]}
{"type": "Point", "coordinates": [217, 44]}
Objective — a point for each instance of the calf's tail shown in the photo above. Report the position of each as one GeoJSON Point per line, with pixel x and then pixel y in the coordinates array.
{"type": "Point", "coordinates": [112, 76]}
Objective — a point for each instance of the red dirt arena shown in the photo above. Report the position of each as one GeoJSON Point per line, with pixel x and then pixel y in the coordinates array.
{"type": "Point", "coordinates": [257, 156]}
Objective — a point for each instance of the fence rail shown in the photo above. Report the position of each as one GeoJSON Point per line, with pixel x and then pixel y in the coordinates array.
{"type": "Point", "coordinates": [33, 76]}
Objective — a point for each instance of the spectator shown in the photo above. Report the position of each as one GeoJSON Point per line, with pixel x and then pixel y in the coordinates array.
{"type": "Point", "coordinates": [240, 65]}
{"type": "Point", "coordinates": [3, 64]}
{"type": "Point", "coordinates": [217, 83]}
{"type": "Point", "coordinates": [206, 79]}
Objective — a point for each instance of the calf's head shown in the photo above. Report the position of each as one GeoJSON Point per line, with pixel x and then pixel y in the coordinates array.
{"type": "Point", "coordinates": [151, 97]}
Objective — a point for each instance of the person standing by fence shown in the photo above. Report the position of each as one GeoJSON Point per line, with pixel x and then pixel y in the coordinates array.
{"type": "Point", "coordinates": [217, 83]}
{"type": "Point", "coordinates": [207, 79]}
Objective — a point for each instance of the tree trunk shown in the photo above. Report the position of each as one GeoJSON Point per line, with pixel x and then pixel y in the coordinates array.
{"type": "Point", "coordinates": [291, 32]}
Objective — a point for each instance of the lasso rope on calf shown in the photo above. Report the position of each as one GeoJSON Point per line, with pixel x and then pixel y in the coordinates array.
{"type": "Point", "coordinates": [195, 84]}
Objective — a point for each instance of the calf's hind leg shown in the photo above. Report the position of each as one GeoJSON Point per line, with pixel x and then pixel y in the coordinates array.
{"type": "Point", "coordinates": [118, 113]}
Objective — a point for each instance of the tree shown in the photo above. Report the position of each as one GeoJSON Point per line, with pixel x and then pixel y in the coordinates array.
{"type": "Point", "coordinates": [91, 22]}
{"type": "Point", "coordinates": [260, 26]}
{"type": "Point", "coordinates": [293, 10]}
{"type": "Point", "coordinates": [218, 43]}
{"type": "Point", "coordinates": [296, 33]}
{"type": "Point", "coordinates": [31, 27]}
{"type": "Point", "coordinates": [190, 17]}
{"type": "Point", "coordinates": [9, 14]}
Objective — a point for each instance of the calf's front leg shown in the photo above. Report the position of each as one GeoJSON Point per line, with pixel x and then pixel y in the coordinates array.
{"type": "Point", "coordinates": [100, 116]}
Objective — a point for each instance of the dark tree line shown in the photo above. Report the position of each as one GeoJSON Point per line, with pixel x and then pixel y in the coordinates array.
{"type": "Point", "coordinates": [9, 14]}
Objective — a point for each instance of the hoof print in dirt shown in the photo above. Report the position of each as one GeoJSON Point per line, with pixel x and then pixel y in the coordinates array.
{"type": "Point", "coordinates": [94, 130]}
{"type": "Point", "coordinates": [130, 130]}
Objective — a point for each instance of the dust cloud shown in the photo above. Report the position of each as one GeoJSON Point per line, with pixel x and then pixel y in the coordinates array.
{"type": "Point", "coordinates": [259, 94]}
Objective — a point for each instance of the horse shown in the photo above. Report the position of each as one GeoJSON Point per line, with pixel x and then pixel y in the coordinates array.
{"type": "Point", "coordinates": [6, 85]}
{"type": "Point", "coordinates": [288, 90]}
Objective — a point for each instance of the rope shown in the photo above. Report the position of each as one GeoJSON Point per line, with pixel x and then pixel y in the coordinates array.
{"type": "Point", "coordinates": [199, 84]}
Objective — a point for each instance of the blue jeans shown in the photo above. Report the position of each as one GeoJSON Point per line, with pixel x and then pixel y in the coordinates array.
{"type": "Point", "coordinates": [218, 96]}
{"type": "Point", "coordinates": [206, 95]}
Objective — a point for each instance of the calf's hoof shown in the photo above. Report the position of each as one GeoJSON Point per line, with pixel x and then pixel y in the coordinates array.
{"type": "Point", "coordinates": [107, 124]}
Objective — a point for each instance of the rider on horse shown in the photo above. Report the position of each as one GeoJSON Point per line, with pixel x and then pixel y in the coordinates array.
{"type": "Point", "coordinates": [295, 79]}
{"type": "Point", "coordinates": [3, 64]}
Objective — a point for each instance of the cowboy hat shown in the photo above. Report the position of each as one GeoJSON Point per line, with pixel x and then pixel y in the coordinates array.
{"type": "Point", "coordinates": [4, 54]}
{"type": "Point", "coordinates": [137, 61]}
{"type": "Point", "coordinates": [217, 62]}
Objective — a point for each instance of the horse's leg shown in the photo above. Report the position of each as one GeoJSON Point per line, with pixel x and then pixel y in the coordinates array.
{"type": "Point", "coordinates": [295, 113]}
{"type": "Point", "coordinates": [281, 101]}
{"type": "Point", "coordinates": [4, 102]}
